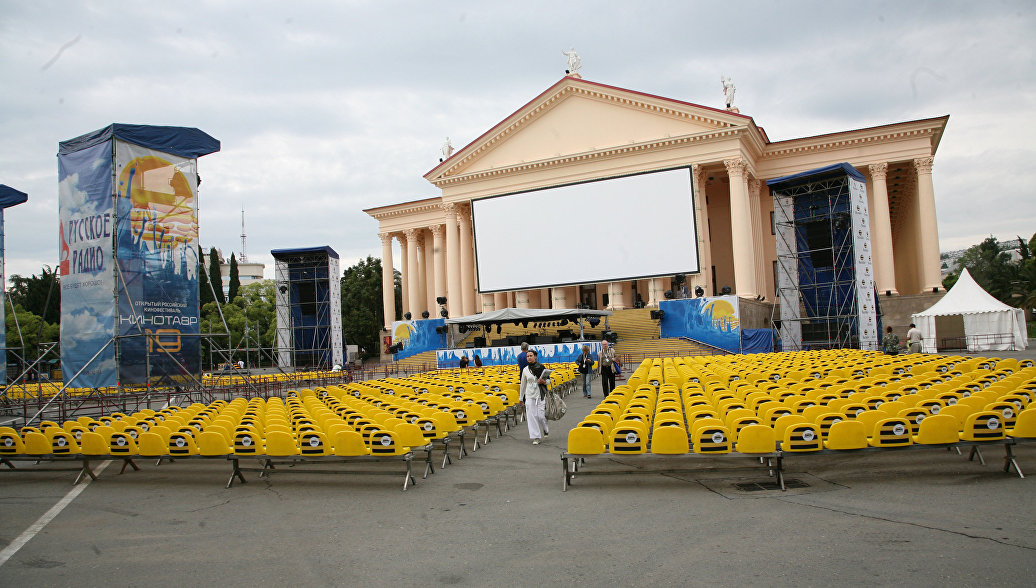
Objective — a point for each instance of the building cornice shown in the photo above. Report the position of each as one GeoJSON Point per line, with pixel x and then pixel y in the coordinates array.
{"type": "Point", "coordinates": [594, 155]}
{"type": "Point", "coordinates": [931, 128]}
{"type": "Point", "coordinates": [404, 208]}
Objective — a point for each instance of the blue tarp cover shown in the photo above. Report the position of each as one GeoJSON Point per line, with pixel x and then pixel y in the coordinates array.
{"type": "Point", "coordinates": [9, 196]}
{"type": "Point", "coordinates": [182, 141]}
{"type": "Point", "coordinates": [757, 340]}
{"type": "Point", "coordinates": [815, 174]}
{"type": "Point", "coordinates": [303, 250]}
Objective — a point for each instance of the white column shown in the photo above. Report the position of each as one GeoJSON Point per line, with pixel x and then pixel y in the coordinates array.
{"type": "Point", "coordinates": [559, 298]}
{"type": "Point", "coordinates": [467, 261]}
{"type": "Point", "coordinates": [755, 198]}
{"type": "Point", "coordinates": [414, 288]}
{"type": "Point", "coordinates": [930, 272]}
{"type": "Point", "coordinates": [488, 303]}
{"type": "Point", "coordinates": [438, 262]}
{"type": "Point", "coordinates": [701, 221]}
{"type": "Point", "coordinates": [521, 299]}
{"type": "Point", "coordinates": [740, 228]}
{"type": "Point", "coordinates": [404, 269]}
{"type": "Point", "coordinates": [388, 283]}
{"type": "Point", "coordinates": [881, 230]}
{"type": "Point", "coordinates": [453, 290]}
{"type": "Point", "coordinates": [422, 274]}
{"type": "Point", "coordinates": [616, 300]}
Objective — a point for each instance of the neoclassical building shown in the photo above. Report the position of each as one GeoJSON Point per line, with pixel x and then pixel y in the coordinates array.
{"type": "Point", "coordinates": [578, 130]}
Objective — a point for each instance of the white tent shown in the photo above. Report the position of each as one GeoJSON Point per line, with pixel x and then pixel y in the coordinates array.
{"type": "Point", "coordinates": [989, 325]}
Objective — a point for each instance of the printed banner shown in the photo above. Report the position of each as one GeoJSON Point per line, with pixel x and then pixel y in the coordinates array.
{"type": "Point", "coordinates": [3, 308]}
{"type": "Point", "coordinates": [556, 353]}
{"type": "Point", "coordinates": [866, 305]}
{"type": "Point", "coordinates": [714, 321]}
{"type": "Point", "coordinates": [86, 263]}
{"type": "Point", "coordinates": [417, 336]}
{"type": "Point", "coordinates": [157, 252]}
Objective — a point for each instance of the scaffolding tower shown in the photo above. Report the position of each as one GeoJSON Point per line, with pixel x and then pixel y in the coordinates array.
{"type": "Point", "coordinates": [309, 308]}
{"type": "Point", "coordinates": [825, 276]}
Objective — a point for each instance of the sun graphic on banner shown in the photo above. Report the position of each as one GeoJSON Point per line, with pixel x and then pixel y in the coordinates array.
{"type": "Point", "coordinates": [162, 200]}
{"type": "Point", "coordinates": [721, 312]}
{"type": "Point", "coordinates": [402, 334]}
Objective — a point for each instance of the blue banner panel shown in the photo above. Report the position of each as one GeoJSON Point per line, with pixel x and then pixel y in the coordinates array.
{"type": "Point", "coordinates": [556, 353]}
{"type": "Point", "coordinates": [86, 262]}
{"type": "Point", "coordinates": [417, 336]}
{"type": "Point", "coordinates": [714, 321]}
{"type": "Point", "coordinates": [757, 340]}
{"type": "Point", "coordinates": [157, 237]}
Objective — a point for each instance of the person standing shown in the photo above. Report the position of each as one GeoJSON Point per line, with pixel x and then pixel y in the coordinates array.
{"type": "Point", "coordinates": [533, 394]}
{"type": "Point", "coordinates": [478, 360]}
{"type": "Point", "coordinates": [463, 361]}
{"type": "Point", "coordinates": [914, 338]}
{"type": "Point", "coordinates": [585, 364]}
{"type": "Point", "coordinates": [608, 364]}
{"type": "Point", "coordinates": [522, 361]}
{"type": "Point", "coordinates": [890, 342]}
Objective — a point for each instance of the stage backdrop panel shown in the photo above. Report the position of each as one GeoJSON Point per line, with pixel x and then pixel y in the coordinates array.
{"type": "Point", "coordinates": [714, 321]}
{"type": "Point", "coordinates": [647, 220]}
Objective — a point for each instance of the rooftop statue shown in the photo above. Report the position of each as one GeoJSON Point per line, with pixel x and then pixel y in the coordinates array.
{"type": "Point", "coordinates": [728, 90]}
{"type": "Point", "coordinates": [574, 62]}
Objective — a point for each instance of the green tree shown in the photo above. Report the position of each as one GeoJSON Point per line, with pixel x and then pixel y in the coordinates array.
{"type": "Point", "coordinates": [216, 276]}
{"type": "Point", "coordinates": [204, 292]}
{"type": "Point", "coordinates": [362, 314]}
{"type": "Point", "coordinates": [33, 331]}
{"type": "Point", "coordinates": [991, 268]}
{"type": "Point", "coordinates": [252, 322]}
{"type": "Point", "coordinates": [38, 294]}
{"type": "Point", "coordinates": [235, 279]}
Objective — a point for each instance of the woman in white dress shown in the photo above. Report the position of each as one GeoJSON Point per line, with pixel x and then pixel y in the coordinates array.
{"type": "Point", "coordinates": [533, 394]}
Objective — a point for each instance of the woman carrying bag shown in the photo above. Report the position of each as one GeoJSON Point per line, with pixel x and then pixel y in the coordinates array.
{"type": "Point", "coordinates": [533, 394]}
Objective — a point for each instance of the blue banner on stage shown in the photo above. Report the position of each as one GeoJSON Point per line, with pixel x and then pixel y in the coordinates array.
{"type": "Point", "coordinates": [556, 353]}
{"type": "Point", "coordinates": [714, 321]}
{"type": "Point", "coordinates": [417, 336]}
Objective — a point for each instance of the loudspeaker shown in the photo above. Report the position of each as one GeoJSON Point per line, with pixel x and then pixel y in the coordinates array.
{"type": "Point", "coordinates": [440, 300]}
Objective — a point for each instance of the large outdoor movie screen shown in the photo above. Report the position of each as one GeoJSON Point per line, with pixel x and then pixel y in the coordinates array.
{"type": "Point", "coordinates": [606, 230]}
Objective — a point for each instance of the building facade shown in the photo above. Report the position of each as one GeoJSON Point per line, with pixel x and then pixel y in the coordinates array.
{"type": "Point", "coordinates": [578, 130]}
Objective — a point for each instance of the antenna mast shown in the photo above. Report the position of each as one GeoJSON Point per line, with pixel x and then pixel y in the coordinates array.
{"type": "Point", "coordinates": [244, 256]}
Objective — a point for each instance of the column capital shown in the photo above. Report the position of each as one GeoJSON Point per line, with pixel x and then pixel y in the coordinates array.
{"type": "Point", "coordinates": [698, 173]}
{"type": "Point", "coordinates": [411, 234]}
{"type": "Point", "coordinates": [736, 167]}
{"type": "Point", "coordinates": [878, 170]}
{"type": "Point", "coordinates": [923, 165]}
{"type": "Point", "coordinates": [450, 208]}
{"type": "Point", "coordinates": [437, 231]}
{"type": "Point", "coordinates": [753, 186]}
{"type": "Point", "coordinates": [386, 238]}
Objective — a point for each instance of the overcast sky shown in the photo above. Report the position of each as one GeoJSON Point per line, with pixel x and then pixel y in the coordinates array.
{"type": "Point", "coordinates": [326, 108]}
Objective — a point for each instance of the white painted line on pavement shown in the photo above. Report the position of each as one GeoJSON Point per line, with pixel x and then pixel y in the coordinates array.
{"type": "Point", "coordinates": [34, 529]}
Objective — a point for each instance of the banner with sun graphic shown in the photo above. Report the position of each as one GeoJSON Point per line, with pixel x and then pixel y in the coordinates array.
{"type": "Point", "coordinates": [714, 321]}
{"type": "Point", "coordinates": [417, 336]}
{"type": "Point", "coordinates": [157, 239]}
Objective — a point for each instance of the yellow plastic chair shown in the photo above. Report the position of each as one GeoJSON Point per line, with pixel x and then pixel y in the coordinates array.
{"type": "Point", "coordinates": [1024, 426]}
{"type": "Point", "coordinates": [181, 444]}
{"type": "Point", "coordinates": [757, 439]}
{"type": "Point", "coordinates": [669, 441]}
{"type": "Point", "coordinates": [628, 437]}
{"type": "Point", "coordinates": [846, 435]}
{"type": "Point", "coordinates": [349, 444]}
{"type": "Point", "coordinates": [64, 443]}
{"type": "Point", "coordinates": [585, 441]}
{"type": "Point", "coordinates": [151, 444]}
{"type": "Point", "coordinates": [212, 444]}
{"type": "Point", "coordinates": [36, 443]}
{"type": "Point", "coordinates": [937, 430]}
{"type": "Point", "coordinates": [802, 437]}
{"type": "Point", "coordinates": [985, 425]}
{"type": "Point", "coordinates": [891, 432]}
{"type": "Point", "coordinates": [122, 444]}
{"type": "Point", "coordinates": [93, 444]}
{"type": "Point", "coordinates": [710, 438]}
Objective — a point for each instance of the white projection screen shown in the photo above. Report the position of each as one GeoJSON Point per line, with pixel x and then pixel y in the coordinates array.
{"type": "Point", "coordinates": [607, 230]}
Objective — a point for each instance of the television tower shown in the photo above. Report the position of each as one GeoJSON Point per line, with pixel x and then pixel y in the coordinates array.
{"type": "Point", "coordinates": [244, 256]}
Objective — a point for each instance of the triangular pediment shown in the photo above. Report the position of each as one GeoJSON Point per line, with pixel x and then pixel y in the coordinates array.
{"type": "Point", "coordinates": [577, 117]}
